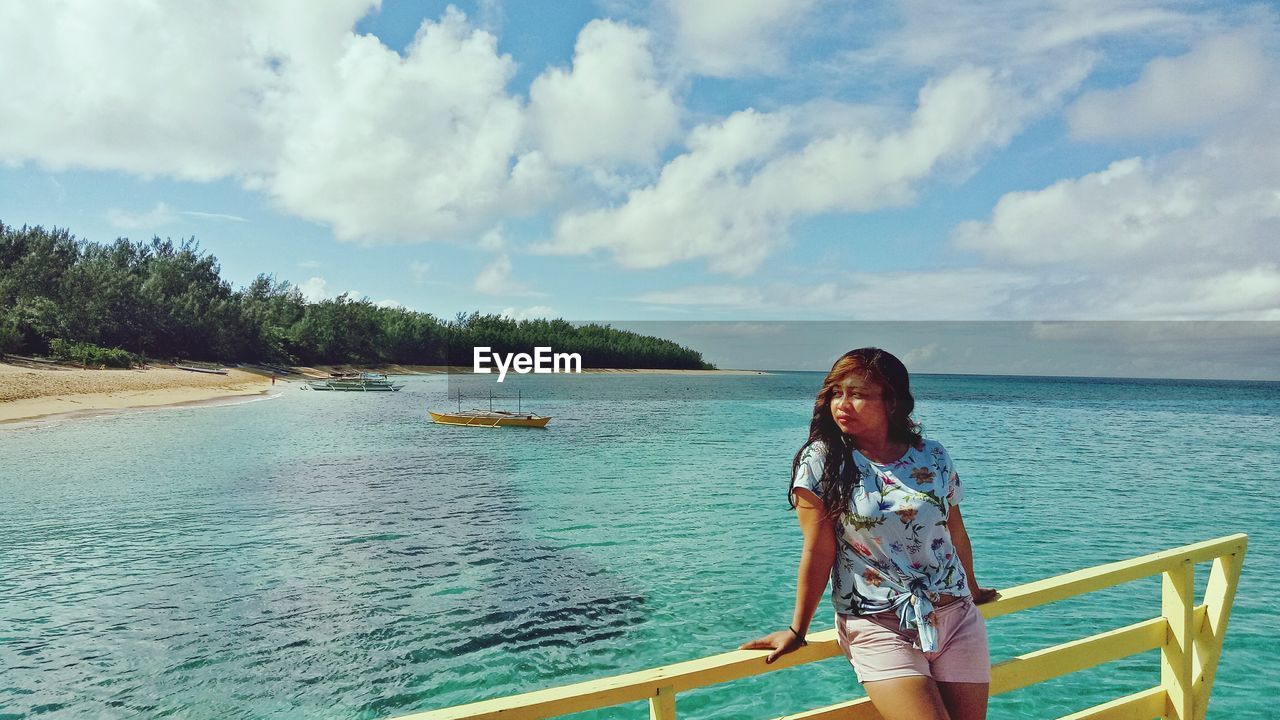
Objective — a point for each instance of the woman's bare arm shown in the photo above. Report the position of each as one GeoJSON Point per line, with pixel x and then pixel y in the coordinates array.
{"type": "Point", "coordinates": [816, 558]}
{"type": "Point", "coordinates": [964, 550]}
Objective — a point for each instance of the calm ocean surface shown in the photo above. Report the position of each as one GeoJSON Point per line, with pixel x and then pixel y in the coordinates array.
{"type": "Point", "coordinates": [332, 555]}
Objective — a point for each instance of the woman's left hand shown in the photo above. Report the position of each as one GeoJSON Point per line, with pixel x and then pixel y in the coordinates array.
{"type": "Point", "coordinates": [985, 595]}
{"type": "Point", "coordinates": [780, 642]}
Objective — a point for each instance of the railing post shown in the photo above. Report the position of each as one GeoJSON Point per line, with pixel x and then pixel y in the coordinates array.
{"type": "Point", "coordinates": [663, 705]}
{"type": "Point", "coordinates": [1219, 594]}
{"type": "Point", "coordinates": [1177, 601]}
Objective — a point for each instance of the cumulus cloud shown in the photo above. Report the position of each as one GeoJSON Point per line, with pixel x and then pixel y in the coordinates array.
{"type": "Point", "coordinates": [1182, 235]}
{"type": "Point", "coordinates": [385, 147]}
{"type": "Point", "coordinates": [286, 98]}
{"type": "Point", "coordinates": [738, 38]}
{"type": "Point", "coordinates": [1220, 77]}
{"type": "Point", "coordinates": [694, 210]}
{"type": "Point", "coordinates": [314, 289]}
{"type": "Point", "coordinates": [732, 196]}
{"type": "Point", "coordinates": [495, 279]}
{"type": "Point", "coordinates": [1218, 203]}
{"type": "Point", "coordinates": [144, 88]}
{"type": "Point", "coordinates": [609, 108]}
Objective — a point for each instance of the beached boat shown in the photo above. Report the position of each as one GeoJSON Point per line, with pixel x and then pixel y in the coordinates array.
{"type": "Point", "coordinates": [355, 382]}
{"type": "Point", "coordinates": [193, 368]}
{"type": "Point", "coordinates": [490, 418]}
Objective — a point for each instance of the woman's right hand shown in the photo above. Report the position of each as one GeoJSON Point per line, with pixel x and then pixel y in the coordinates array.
{"type": "Point", "coordinates": [780, 642]}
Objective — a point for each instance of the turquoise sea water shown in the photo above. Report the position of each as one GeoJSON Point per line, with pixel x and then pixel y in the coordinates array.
{"type": "Point", "coordinates": [336, 556]}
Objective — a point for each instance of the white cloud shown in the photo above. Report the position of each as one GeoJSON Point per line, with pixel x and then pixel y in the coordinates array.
{"type": "Point", "coordinates": [1021, 33]}
{"type": "Point", "coordinates": [309, 264]}
{"type": "Point", "coordinates": [314, 289]}
{"type": "Point", "coordinates": [419, 270]}
{"type": "Point", "coordinates": [1184, 235]}
{"type": "Point", "coordinates": [390, 304]}
{"type": "Point", "coordinates": [495, 279]}
{"type": "Point", "coordinates": [222, 217]}
{"type": "Point", "coordinates": [1216, 206]}
{"type": "Point", "coordinates": [384, 147]}
{"type": "Point", "coordinates": [609, 108]}
{"type": "Point", "coordinates": [284, 97]}
{"type": "Point", "coordinates": [732, 197]}
{"type": "Point", "coordinates": [738, 38]}
{"type": "Point", "coordinates": [157, 216]}
{"type": "Point", "coordinates": [176, 90]}
{"type": "Point", "coordinates": [695, 209]}
{"type": "Point", "coordinates": [493, 240]}
{"type": "Point", "coordinates": [535, 312]}
{"type": "Point", "coordinates": [1220, 77]}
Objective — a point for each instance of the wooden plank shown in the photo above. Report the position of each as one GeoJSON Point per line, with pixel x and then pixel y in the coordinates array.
{"type": "Point", "coordinates": [636, 686]}
{"type": "Point", "coordinates": [1144, 705]}
{"type": "Point", "coordinates": [663, 707]}
{"type": "Point", "coordinates": [1076, 655]}
{"type": "Point", "coordinates": [1035, 667]}
{"type": "Point", "coordinates": [1219, 595]}
{"type": "Point", "coordinates": [1061, 587]}
{"type": "Point", "coordinates": [860, 709]}
{"type": "Point", "coordinates": [1177, 603]}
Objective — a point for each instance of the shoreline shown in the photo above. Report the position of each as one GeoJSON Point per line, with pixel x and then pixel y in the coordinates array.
{"type": "Point", "coordinates": [31, 393]}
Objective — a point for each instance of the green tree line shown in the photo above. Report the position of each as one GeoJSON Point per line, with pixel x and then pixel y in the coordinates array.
{"type": "Point", "coordinates": [159, 299]}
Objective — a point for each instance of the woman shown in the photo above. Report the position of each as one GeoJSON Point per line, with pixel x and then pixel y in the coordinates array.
{"type": "Point", "coordinates": [879, 507]}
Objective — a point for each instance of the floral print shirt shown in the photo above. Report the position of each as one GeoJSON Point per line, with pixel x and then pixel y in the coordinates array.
{"type": "Point", "coordinates": [894, 550]}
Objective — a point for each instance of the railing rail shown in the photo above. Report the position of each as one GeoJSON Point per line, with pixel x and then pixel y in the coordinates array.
{"type": "Point", "coordinates": [1189, 637]}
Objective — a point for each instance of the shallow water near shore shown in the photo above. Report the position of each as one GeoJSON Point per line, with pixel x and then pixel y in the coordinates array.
{"type": "Point", "coordinates": [335, 555]}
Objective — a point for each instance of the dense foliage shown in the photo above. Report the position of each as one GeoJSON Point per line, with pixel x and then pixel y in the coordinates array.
{"type": "Point", "coordinates": [65, 296]}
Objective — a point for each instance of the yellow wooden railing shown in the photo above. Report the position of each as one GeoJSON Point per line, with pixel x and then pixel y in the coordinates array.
{"type": "Point", "coordinates": [1188, 635]}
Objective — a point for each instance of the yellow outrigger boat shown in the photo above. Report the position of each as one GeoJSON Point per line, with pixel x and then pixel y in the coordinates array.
{"type": "Point", "coordinates": [490, 418]}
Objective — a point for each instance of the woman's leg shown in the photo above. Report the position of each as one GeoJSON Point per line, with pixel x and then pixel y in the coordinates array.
{"type": "Point", "coordinates": [964, 701]}
{"type": "Point", "coordinates": [914, 697]}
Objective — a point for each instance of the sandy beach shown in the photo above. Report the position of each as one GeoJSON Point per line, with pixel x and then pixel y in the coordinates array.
{"type": "Point", "coordinates": [28, 391]}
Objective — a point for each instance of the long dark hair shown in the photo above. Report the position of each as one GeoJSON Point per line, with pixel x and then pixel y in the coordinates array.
{"type": "Point", "coordinates": [839, 473]}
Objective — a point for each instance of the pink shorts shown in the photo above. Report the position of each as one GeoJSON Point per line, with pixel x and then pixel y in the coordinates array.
{"type": "Point", "coordinates": [878, 650]}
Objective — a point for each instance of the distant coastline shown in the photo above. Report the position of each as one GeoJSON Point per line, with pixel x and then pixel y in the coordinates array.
{"type": "Point", "coordinates": [397, 369]}
{"type": "Point", "coordinates": [31, 392]}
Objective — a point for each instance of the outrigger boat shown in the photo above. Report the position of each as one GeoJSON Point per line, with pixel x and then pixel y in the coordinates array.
{"type": "Point", "coordinates": [355, 382]}
{"type": "Point", "coordinates": [490, 417]}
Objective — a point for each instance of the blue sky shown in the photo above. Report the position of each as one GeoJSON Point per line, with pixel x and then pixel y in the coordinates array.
{"type": "Point", "coordinates": [663, 161]}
